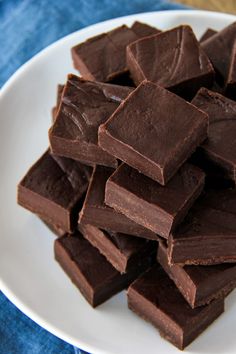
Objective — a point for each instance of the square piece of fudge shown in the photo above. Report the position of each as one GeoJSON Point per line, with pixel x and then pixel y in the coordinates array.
{"type": "Point", "coordinates": [84, 106]}
{"type": "Point", "coordinates": [154, 131]}
{"type": "Point", "coordinates": [199, 284]}
{"type": "Point", "coordinates": [172, 59]}
{"type": "Point", "coordinates": [146, 202]}
{"type": "Point", "coordinates": [103, 57]}
{"type": "Point", "coordinates": [220, 147]}
{"type": "Point", "coordinates": [54, 188]}
{"type": "Point", "coordinates": [155, 298]}
{"type": "Point", "coordinates": [95, 212]}
{"type": "Point", "coordinates": [207, 235]}
{"type": "Point", "coordinates": [93, 275]}
{"type": "Point", "coordinates": [219, 48]}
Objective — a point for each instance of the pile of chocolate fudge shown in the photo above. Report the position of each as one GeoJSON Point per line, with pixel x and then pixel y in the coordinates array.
{"type": "Point", "coordinates": [139, 179]}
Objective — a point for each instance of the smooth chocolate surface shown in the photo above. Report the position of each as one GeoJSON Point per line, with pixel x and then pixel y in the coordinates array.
{"type": "Point", "coordinates": [95, 212]}
{"type": "Point", "coordinates": [199, 284]}
{"type": "Point", "coordinates": [219, 49]}
{"type": "Point", "coordinates": [173, 59]}
{"type": "Point", "coordinates": [84, 106]}
{"type": "Point", "coordinates": [54, 188]}
{"type": "Point", "coordinates": [230, 85]}
{"type": "Point", "coordinates": [143, 30]}
{"type": "Point", "coordinates": [220, 147]}
{"type": "Point", "coordinates": [123, 251]}
{"type": "Point", "coordinates": [140, 131]}
{"type": "Point", "coordinates": [102, 58]}
{"type": "Point", "coordinates": [208, 233]}
{"type": "Point", "coordinates": [94, 276]}
{"type": "Point", "coordinates": [155, 298]}
{"type": "Point", "coordinates": [158, 208]}
{"type": "Point", "coordinates": [207, 34]}
{"type": "Point", "coordinates": [59, 94]}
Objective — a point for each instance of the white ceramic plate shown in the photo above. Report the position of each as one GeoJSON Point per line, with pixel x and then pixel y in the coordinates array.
{"type": "Point", "coordinates": [30, 277]}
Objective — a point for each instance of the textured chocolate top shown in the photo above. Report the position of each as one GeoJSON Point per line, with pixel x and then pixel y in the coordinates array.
{"type": "Point", "coordinates": [58, 179]}
{"type": "Point", "coordinates": [221, 142]}
{"type": "Point", "coordinates": [214, 215]}
{"type": "Point", "coordinates": [219, 48]}
{"type": "Point", "coordinates": [94, 267]}
{"type": "Point", "coordinates": [144, 30]}
{"type": "Point", "coordinates": [102, 58]}
{"type": "Point", "coordinates": [170, 197]}
{"type": "Point", "coordinates": [169, 58]}
{"type": "Point", "coordinates": [156, 287]}
{"type": "Point", "coordinates": [145, 122]}
{"type": "Point", "coordinates": [84, 106]}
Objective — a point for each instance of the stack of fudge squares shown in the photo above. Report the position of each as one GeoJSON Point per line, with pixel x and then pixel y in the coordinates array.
{"type": "Point", "coordinates": [139, 179]}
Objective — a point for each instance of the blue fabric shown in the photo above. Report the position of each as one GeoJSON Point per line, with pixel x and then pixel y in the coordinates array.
{"type": "Point", "coordinates": [26, 27]}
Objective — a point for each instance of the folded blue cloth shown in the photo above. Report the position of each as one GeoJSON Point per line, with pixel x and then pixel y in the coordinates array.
{"type": "Point", "coordinates": [26, 27]}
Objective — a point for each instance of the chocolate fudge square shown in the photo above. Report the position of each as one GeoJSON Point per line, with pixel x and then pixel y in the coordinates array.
{"type": "Point", "coordinates": [54, 188]}
{"type": "Point", "coordinates": [154, 131]}
{"type": "Point", "coordinates": [123, 251]}
{"type": "Point", "coordinates": [93, 275]}
{"type": "Point", "coordinates": [199, 284]}
{"type": "Point", "coordinates": [220, 147]}
{"type": "Point", "coordinates": [207, 235]}
{"type": "Point", "coordinates": [95, 212]}
{"type": "Point", "coordinates": [103, 58]}
{"type": "Point", "coordinates": [84, 106]}
{"type": "Point", "coordinates": [219, 49]}
{"type": "Point", "coordinates": [146, 202]}
{"type": "Point", "coordinates": [155, 298]}
{"type": "Point", "coordinates": [173, 59]}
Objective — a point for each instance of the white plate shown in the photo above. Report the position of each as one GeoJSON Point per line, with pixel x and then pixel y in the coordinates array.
{"type": "Point", "coordinates": [30, 277]}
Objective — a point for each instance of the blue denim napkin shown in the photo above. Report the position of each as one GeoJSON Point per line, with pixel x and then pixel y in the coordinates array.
{"type": "Point", "coordinates": [26, 27]}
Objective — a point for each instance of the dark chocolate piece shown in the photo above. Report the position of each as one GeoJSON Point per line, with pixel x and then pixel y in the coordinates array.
{"type": "Point", "coordinates": [94, 276]}
{"type": "Point", "coordinates": [146, 202]}
{"type": "Point", "coordinates": [219, 49]}
{"type": "Point", "coordinates": [220, 147]}
{"type": "Point", "coordinates": [207, 34]}
{"type": "Point", "coordinates": [173, 59]}
{"type": "Point", "coordinates": [230, 85]}
{"type": "Point", "coordinates": [140, 131]}
{"type": "Point", "coordinates": [123, 251]}
{"type": "Point", "coordinates": [84, 106]}
{"type": "Point", "coordinates": [95, 212]}
{"type": "Point", "coordinates": [54, 188]}
{"type": "Point", "coordinates": [60, 89]}
{"type": "Point", "coordinates": [102, 58]}
{"type": "Point", "coordinates": [199, 284]}
{"type": "Point", "coordinates": [155, 298]}
{"type": "Point", "coordinates": [208, 233]}
{"type": "Point", "coordinates": [144, 30]}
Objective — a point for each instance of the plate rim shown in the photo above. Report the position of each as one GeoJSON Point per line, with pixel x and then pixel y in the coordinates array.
{"type": "Point", "coordinates": [26, 310]}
